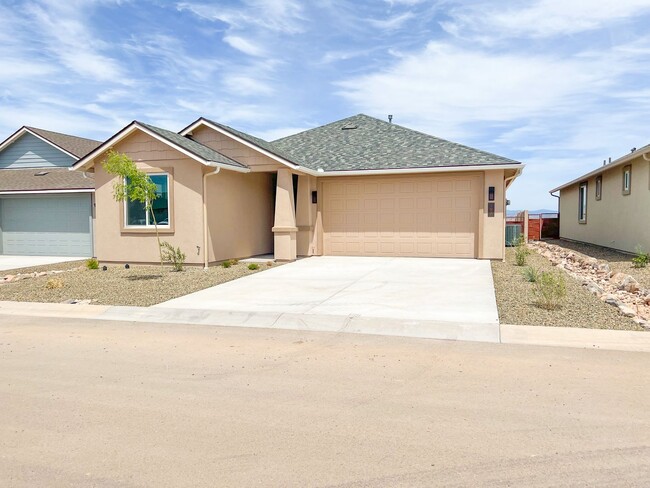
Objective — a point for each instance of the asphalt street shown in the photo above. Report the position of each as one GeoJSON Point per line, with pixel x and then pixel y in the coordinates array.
{"type": "Point", "coordinates": [118, 404]}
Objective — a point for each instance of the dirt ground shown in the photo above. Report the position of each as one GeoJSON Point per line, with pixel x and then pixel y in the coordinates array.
{"type": "Point", "coordinates": [134, 405]}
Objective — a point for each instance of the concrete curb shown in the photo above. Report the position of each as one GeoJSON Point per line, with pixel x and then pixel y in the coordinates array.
{"type": "Point", "coordinates": [618, 340]}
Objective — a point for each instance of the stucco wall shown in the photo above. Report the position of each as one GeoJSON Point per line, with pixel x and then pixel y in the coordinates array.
{"type": "Point", "coordinates": [492, 229]}
{"type": "Point", "coordinates": [240, 214]}
{"type": "Point", "coordinates": [617, 221]}
{"type": "Point", "coordinates": [112, 243]}
{"type": "Point", "coordinates": [235, 150]}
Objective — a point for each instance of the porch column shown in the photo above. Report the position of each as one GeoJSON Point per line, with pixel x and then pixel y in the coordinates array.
{"type": "Point", "coordinates": [284, 226]}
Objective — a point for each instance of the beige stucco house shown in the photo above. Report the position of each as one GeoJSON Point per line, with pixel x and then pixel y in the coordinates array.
{"type": "Point", "coordinates": [359, 186]}
{"type": "Point", "coordinates": [609, 206]}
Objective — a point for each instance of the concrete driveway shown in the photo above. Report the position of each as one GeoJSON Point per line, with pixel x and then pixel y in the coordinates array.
{"type": "Point", "coordinates": [416, 292]}
{"type": "Point", "coordinates": [15, 262]}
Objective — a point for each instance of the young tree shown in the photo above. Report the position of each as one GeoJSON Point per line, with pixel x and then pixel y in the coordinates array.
{"type": "Point", "coordinates": [132, 184]}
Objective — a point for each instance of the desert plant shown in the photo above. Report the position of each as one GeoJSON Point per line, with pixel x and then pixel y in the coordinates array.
{"type": "Point", "coordinates": [54, 283]}
{"type": "Point", "coordinates": [253, 266]}
{"type": "Point", "coordinates": [550, 290]}
{"type": "Point", "coordinates": [234, 262]}
{"type": "Point", "coordinates": [92, 263]}
{"type": "Point", "coordinates": [521, 251]}
{"type": "Point", "coordinates": [133, 185]}
{"type": "Point", "coordinates": [531, 274]}
{"type": "Point", "coordinates": [173, 255]}
{"type": "Point", "coordinates": [227, 263]}
{"type": "Point", "coordinates": [642, 259]}
{"type": "Point", "coordinates": [269, 263]}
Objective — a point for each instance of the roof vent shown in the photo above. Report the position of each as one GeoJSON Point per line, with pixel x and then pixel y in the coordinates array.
{"type": "Point", "coordinates": [350, 126]}
{"type": "Point", "coordinates": [633, 149]}
{"type": "Point", "coordinates": [41, 173]}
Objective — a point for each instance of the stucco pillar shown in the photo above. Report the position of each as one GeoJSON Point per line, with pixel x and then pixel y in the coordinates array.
{"type": "Point", "coordinates": [284, 225]}
{"type": "Point", "coordinates": [305, 215]}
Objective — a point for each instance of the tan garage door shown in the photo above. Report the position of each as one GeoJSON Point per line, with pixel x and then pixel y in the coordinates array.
{"type": "Point", "coordinates": [402, 216]}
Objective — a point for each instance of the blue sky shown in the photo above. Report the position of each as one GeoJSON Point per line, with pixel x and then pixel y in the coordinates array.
{"type": "Point", "coordinates": [558, 84]}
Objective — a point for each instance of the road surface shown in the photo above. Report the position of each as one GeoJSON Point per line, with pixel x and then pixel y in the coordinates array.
{"type": "Point", "coordinates": [112, 404]}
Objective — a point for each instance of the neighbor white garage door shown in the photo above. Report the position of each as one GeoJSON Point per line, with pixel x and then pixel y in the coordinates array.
{"type": "Point", "coordinates": [46, 225]}
{"type": "Point", "coordinates": [432, 216]}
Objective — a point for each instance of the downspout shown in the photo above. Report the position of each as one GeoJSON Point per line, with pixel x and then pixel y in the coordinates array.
{"type": "Point", "coordinates": [206, 253]}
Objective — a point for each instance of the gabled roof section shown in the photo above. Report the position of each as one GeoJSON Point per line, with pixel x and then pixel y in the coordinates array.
{"type": "Point", "coordinates": [71, 145]}
{"type": "Point", "coordinates": [361, 142]}
{"type": "Point", "coordinates": [256, 142]}
{"type": "Point", "coordinates": [44, 179]}
{"type": "Point", "coordinates": [185, 145]}
{"type": "Point", "coordinates": [644, 152]}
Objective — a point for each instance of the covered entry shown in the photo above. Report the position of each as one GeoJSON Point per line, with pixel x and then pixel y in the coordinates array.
{"type": "Point", "coordinates": [423, 215]}
{"type": "Point", "coordinates": [52, 225]}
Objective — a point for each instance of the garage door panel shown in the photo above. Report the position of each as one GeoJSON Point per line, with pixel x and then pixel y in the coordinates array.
{"type": "Point", "coordinates": [52, 225]}
{"type": "Point", "coordinates": [402, 216]}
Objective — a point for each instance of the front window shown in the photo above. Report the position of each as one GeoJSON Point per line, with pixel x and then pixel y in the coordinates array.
{"type": "Point", "coordinates": [582, 203]}
{"type": "Point", "coordinates": [627, 180]}
{"type": "Point", "coordinates": [136, 214]}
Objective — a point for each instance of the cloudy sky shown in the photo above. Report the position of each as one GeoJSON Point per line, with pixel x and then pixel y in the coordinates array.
{"type": "Point", "coordinates": [557, 84]}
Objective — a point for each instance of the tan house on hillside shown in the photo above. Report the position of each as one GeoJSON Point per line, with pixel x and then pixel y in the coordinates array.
{"type": "Point", "coordinates": [359, 186]}
{"type": "Point", "coordinates": [609, 206]}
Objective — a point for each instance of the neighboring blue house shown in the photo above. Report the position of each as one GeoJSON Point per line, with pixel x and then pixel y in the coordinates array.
{"type": "Point", "coordinates": [45, 209]}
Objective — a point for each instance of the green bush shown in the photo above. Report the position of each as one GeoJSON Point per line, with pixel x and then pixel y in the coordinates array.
{"type": "Point", "coordinates": [642, 259]}
{"type": "Point", "coordinates": [521, 251]}
{"type": "Point", "coordinates": [92, 263]}
{"type": "Point", "coordinates": [253, 266]}
{"type": "Point", "coordinates": [227, 263]}
{"type": "Point", "coordinates": [173, 255]}
{"type": "Point", "coordinates": [550, 290]}
{"type": "Point", "coordinates": [531, 274]}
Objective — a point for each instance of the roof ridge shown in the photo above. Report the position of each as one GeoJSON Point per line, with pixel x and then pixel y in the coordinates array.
{"type": "Point", "coordinates": [32, 128]}
{"type": "Point", "coordinates": [321, 126]}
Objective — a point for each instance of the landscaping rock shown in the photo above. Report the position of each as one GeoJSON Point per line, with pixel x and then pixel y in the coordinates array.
{"type": "Point", "coordinates": [629, 284]}
{"type": "Point", "coordinates": [9, 278]}
{"type": "Point", "coordinates": [627, 311]}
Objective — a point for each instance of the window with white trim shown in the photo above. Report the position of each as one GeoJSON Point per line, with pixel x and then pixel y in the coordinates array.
{"type": "Point", "coordinates": [627, 180]}
{"type": "Point", "coordinates": [582, 203]}
{"type": "Point", "coordinates": [136, 214]}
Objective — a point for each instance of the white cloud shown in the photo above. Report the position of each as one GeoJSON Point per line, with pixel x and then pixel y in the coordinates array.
{"type": "Point", "coordinates": [242, 85]}
{"type": "Point", "coordinates": [392, 23]}
{"type": "Point", "coordinates": [244, 45]}
{"type": "Point", "coordinates": [541, 18]}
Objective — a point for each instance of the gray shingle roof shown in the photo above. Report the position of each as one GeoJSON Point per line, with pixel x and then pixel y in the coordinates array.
{"type": "Point", "coordinates": [366, 143]}
{"type": "Point", "coordinates": [192, 146]}
{"type": "Point", "coordinates": [48, 179]}
{"type": "Point", "coordinates": [79, 146]}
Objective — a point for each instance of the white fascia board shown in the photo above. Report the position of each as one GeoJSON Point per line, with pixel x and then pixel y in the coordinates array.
{"type": "Point", "coordinates": [135, 126]}
{"type": "Point", "coordinates": [441, 169]}
{"type": "Point", "coordinates": [242, 141]}
{"type": "Point", "coordinates": [614, 164]}
{"type": "Point", "coordinates": [24, 130]}
{"type": "Point", "coordinates": [39, 192]}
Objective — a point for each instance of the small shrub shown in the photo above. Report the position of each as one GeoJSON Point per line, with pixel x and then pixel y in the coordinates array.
{"type": "Point", "coordinates": [253, 266]}
{"type": "Point", "coordinates": [531, 274]}
{"type": "Point", "coordinates": [550, 290]}
{"type": "Point", "coordinates": [54, 283]}
{"type": "Point", "coordinates": [227, 263]}
{"type": "Point", "coordinates": [173, 255]}
{"type": "Point", "coordinates": [269, 263]}
{"type": "Point", "coordinates": [234, 262]}
{"type": "Point", "coordinates": [92, 263]}
{"type": "Point", "coordinates": [642, 259]}
{"type": "Point", "coordinates": [521, 251]}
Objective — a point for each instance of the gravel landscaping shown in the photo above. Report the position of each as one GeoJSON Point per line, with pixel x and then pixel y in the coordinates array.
{"type": "Point", "coordinates": [138, 286]}
{"type": "Point", "coordinates": [516, 302]}
{"type": "Point", "coordinates": [619, 262]}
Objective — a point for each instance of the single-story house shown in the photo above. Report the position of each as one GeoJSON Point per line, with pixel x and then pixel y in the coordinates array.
{"type": "Point", "coordinates": [45, 209]}
{"type": "Point", "coordinates": [609, 206]}
{"type": "Point", "coordinates": [359, 187]}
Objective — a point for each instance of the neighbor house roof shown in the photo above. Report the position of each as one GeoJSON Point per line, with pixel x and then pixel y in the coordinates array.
{"type": "Point", "coordinates": [43, 179]}
{"type": "Point", "coordinates": [72, 145]}
{"type": "Point", "coordinates": [643, 152]}
{"type": "Point", "coordinates": [183, 144]}
{"type": "Point", "coordinates": [361, 142]}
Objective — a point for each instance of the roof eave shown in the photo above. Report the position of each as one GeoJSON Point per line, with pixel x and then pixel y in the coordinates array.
{"type": "Point", "coordinates": [643, 152]}
{"type": "Point", "coordinates": [432, 169]}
